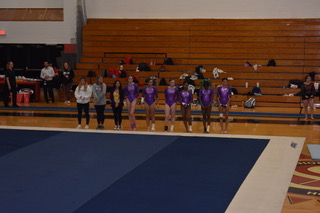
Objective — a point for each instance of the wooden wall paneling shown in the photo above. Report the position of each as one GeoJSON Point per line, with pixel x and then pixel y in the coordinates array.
{"type": "Point", "coordinates": [249, 39]}
{"type": "Point", "coordinates": [241, 62]}
{"type": "Point", "coordinates": [143, 38]}
{"type": "Point", "coordinates": [247, 50]}
{"type": "Point", "coordinates": [137, 33]}
{"type": "Point", "coordinates": [250, 33]}
{"type": "Point", "coordinates": [246, 56]}
{"type": "Point", "coordinates": [87, 53]}
{"type": "Point", "coordinates": [136, 49]}
{"type": "Point", "coordinates": [135, 55]}
{"type": "Point", "coordinates": [135, 27]}
{"type": "Point", "coordinates": [134, 44]}
{"type": "Point", "coordinates": [31, 14]}
{"type": "Point", "coordinates": [88, 66]}
{"type": "Point", "coordinates": [91, 60]}
{"type": "Point", "coordinates": [259, 45]}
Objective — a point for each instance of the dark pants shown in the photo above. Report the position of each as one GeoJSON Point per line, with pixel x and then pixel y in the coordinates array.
{"type": "Point", "coordinates": [117, 113]}
{"type": "Point", "coordinates": [48, 87]}
{"type": "Point", "coordinates": [100, 113]}
{"type": "Point", "coordinates": [6, 95]}
{"type": "Point", "coordinates": [67, 88]}
{"type": "Point", "coordinates": [84, 107]}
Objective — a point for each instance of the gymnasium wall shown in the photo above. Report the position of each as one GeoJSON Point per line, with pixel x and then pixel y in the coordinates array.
{"type": "Point", "coordinates": [45, 32]}
{"type": "Point", "coordinates": [250, 9]}
{"type": "Point", "coordinates": [62, 32]}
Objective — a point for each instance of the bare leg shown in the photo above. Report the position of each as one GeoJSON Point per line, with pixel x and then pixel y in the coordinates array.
{"type": "Point", "coordinates": [227, 119]}
{"type": "Point", "coordinates": [153, 113]}
{"type": "Point", "coordinates": [305, 107]}
{"type": "Point", "coordinates": [167, 114]}
{"type": "Point", "coordinates": [173, 113]}
{"type": "Point", "coordinates": [188, 115]}
{"type": "Point", "coordinates": [147, 108]}
{"type": "Point", "coordinates": [184, 117]}
{"type": "Point", "coordinates": [311, 104]}
{"type": "Point", "coordinates": [208, 112]}
{"type": "Point", "coordinates": [204, 117]}
{"type": "Point", "coordinates": [132, 109]}
{"type": "Point", "coordinates": [129, 116]}
{"type": "Point", "coordinates": [221, 118]}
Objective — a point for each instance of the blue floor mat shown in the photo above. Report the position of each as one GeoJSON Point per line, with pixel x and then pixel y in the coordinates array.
{"type": "Point", "coordinates": [51, 171]}
{"type": "Point", "coordinates": [64, 171]}
{"type": "Point", "coordinates": [12, 140]}
{"type": "Point", "coordinates": [190, 175]}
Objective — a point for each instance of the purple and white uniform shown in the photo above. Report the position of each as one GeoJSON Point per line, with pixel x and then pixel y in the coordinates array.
{"type": "Point", "coordinates": [171, 95]}
{"type": "Point", "coordinates": [224, 94]}
{"type": "Point", "coordinates": [131, 91]}
{"type": "Point", "coordinates": [206, 96]}
{"type": "Point", "coordinates": [150, 94]}
{"type": "Point", "coordinates": [185, 97]}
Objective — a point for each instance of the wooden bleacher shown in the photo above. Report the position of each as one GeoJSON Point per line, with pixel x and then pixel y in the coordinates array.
{"type": "Point", "coordinates": [226, 44]}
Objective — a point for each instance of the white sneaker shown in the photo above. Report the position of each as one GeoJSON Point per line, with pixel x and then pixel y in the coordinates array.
{"type": "Point", "coordinates": [115, 128]}
{"type": "Point", "coordinates": [68, 102]}
{"type": "Point", "coordinates": [79, 126]}
{"type": "Point", "coordinates": [86, 127]}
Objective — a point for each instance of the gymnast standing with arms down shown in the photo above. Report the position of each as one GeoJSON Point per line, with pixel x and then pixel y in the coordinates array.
{"type": "Point", "coordinates": [206, 95]}
{"type": "Point", "coordinates": [171, 94]}
{"type": "Point", "coordinates": [185, 98]}
{"type": "Point", "coordinates": [223, 99]}
{"type": "Point", "coordinates": [131, 93]}
{"type": "Point", "coordinates": [150, 95]}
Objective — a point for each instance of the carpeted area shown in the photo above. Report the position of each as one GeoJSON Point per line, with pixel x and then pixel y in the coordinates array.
{"type": "Point", "coordinates": [95, 172]}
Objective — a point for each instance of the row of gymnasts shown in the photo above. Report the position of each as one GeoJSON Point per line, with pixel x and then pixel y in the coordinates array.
{"type": "Point", "coordinates": [173, 97]}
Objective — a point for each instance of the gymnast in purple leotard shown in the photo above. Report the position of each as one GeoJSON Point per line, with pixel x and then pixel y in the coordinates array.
{"type": "Point", "coordinates": [131, 93]}
{"type": "Point", "coordinates": [185, 98]}
{"type": "Point", "coordinates": [223, 98]}
{"type": "Point", "coordinates": [150, 95]}
{"type": "Point", "coordinates": [171, 95]}
{"type": "Point", "coordinates": [206, 98]}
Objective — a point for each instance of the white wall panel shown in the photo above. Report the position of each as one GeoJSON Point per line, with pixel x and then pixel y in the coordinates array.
{"type": "Point", "coordinates": [203, 9]}
{"type": "Point", "coordinates": [42, 32]}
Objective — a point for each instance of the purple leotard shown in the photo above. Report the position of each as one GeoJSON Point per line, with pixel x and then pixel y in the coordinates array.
{"type": "Point", "coordinates": [150, 94]}
{"type": "Point", "coordinates": [171, 95]}
{"type": "Point", "coordinates": [185, 97]}
{"type": "Point", "coordinates": [224, 94]}
{"type": "Point", "coordinates": [131, 91]}
{"type": "Point", "coordinates": [206, 96]}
